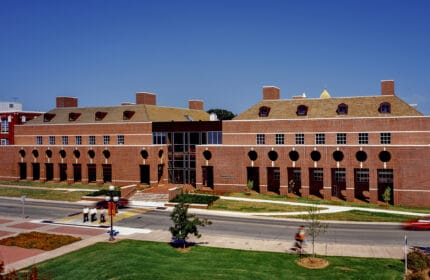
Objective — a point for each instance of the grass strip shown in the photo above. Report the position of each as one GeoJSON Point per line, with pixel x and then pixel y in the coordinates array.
{"type": "Point", "coordinates": [248, 206]}
{"type": "Point", "coordinates": [361, 216]}
{"type": "Point", "coordinates": [60, 195]}
{"type": "Point", "coordinates": [134, 259]}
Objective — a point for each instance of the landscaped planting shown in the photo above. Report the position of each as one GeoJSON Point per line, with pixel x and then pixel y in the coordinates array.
{"type": "Point", "coordinates": [195, 198]}
{"type": "Point", "coordinates": [39, 240]}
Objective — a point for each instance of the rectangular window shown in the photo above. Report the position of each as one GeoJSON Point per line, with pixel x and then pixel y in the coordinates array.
{"type": "Point", "coordinates": [214, 137]}
{"type": "Point", "coordinates": [279, 138]}
{"type": "Point", "coordinates": [4, 141]}
{"type": "Point", "coordinates": [120, 139]}
{"type": "Point", "coordinates": [159, 138]}
{"type": "Point", "coordinates": [300, 139]}
{"type": "Point", "coordinates": [78, 140]}
{"type": "Point", "coordinates": [385, 138]}
{"type": "Point", "coordinates": [318, 174]}
{"type": "Point", "coordinates": [4, 126]}
{"type": "Point", "coordinates": [91, 140]}
{"type": "Point", "coordinates": [106, 139]}
{"type": "Point", "coordinates": [320, 138]}
{"type": "Point", "coordinates": [65, 140]}
{"type": "Point", "coordinates": [39, 140]}
{"type": "Point", "coordinates": [261, 139]}
{"type": "Point", "coordinates": [362, 175]}
{"type": "Point", "coordinates": [340, 175]}
{"type": "Point", "coordinates": [341, 138]}
{"type": "Point", "coordinates": [363, 138]}
{"type": "Point", "coordinates": [51, 140]}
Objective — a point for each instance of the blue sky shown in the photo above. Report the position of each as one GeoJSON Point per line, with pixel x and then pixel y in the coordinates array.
{"type": "Point", "coordinates": [222, 52]}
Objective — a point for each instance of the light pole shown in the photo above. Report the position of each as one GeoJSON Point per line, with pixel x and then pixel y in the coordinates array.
{"type": "Point", "coordinates": [112, 200]}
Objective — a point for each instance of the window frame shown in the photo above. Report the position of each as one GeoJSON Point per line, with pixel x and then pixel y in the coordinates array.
{"type": "Point", "coordinates": [279, 139]}
{"type": "Point", "coordinates": [320, 138]}
{"type": "Point", "coordinates": [39, 140]}
{"type": "Point", "coordinates": [363, 138]}
{"type": "Point", "coordinates": [92, 140]}
{"type": "Point", "coordinates": [300, 138]}
{"type": "Point", "coordinates": [106, 139]}
{"type": "Point", "coordinates": [120, 139]}
{"type": "Point", "coordinates": [385, 138]}
{"type": "Point", "coordinates": [261, 139]}
{"type": "Point", "coordinates": [341, 138]}
{"type": "Point", "coordinates": [51, 140]}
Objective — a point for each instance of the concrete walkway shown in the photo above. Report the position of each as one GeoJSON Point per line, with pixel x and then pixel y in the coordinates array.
{"type": "Point", "coordinates": [18, 258]}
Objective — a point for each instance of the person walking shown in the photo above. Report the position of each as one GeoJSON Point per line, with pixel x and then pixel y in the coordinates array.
{"type": "Point", "coordinates": [300, 239]}
{"type": "Point", "coordinates": [93, 213]}
{"type": "Point", "coordinates": [102, 215]}
{"type": "Point", "coordinates": [86, 211]}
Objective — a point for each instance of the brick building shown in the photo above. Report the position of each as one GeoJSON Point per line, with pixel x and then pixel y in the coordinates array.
{"type": "Point", "coordinates": [11, 114]}
{"type": "Point", "coordinates": [138, 143]}
{"type": "Point", "coordinates": [350, 148]}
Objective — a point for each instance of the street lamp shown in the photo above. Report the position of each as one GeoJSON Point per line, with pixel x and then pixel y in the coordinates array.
{"type": "Point", "coordinates": [112, 200]}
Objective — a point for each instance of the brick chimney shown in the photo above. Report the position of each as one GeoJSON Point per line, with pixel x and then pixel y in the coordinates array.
{"type": "Point", "coordinates": [63, 101]}
{"type": "Point", "coordinates": [271, 92]}
{"type": "Point", "coordinates": [146, 98]}
{"type": "Point", "coordinates": [387, 87]}
{"type": "Point", "coordinates": [195, 105]}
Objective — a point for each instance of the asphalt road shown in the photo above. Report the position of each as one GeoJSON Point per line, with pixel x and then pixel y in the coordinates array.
{"type": "Point", "coordinates": [266, 228]}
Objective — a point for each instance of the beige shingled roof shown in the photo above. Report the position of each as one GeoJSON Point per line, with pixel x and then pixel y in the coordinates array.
{"type": "Point", "coordinates": [142, 113]}
{"type": "Point", "coordinates": [326, 108]}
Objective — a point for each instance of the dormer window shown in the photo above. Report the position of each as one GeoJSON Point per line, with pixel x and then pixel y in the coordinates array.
{"type": "Point", "coordinates": [100, 115]}
{"type": "Point", "coordinates": [73, 116]}
{"type": "Point", "coordinates": [342, 109]}
{"type": "Point", "coordinates": [264, 111]}
{"type": "Point", "coordinates": [385, 108]}
{"type": "Point", "coordinates": [127, 115]}
{"type": "Point", "coordinates": [302, 110]}
{"type": "Point", "coordinates": [47, 117]}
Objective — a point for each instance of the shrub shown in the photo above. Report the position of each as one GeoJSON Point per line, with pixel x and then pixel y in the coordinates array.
{"type": "Point", "coordinates": [104, 192]}
{"type": "Point", "coordinates": [418, 260]}
{"type": "Point", "coordinates": [195, 199]}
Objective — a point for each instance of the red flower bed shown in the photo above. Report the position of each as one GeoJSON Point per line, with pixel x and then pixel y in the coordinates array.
{"type": "Point", "coordinates": [39, 240]}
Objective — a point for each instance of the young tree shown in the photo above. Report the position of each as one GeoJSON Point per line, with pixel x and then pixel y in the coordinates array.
{"type": "Point", "coordinates": [185, 224]}
{"type": "Point", "coordinates": [315, 228]}
{"type": "Point", "coordinates": [386, 196]}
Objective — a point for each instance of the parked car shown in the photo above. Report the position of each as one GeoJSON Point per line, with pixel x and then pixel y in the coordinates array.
{"type": "Point", "coordinates": [422, 223]}
{"type": "Point", "coordinates": [122, 203]}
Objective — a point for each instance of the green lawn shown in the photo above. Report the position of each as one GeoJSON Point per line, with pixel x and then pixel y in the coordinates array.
{"type": "Point", "coordinates": [361, 216]}
{"type": "Point", "coordinates": [43, 194]}
{"type": "Point", "coordinates": [132, 259]}
{"type": "Point", "coordinates": [247, 206]}
{"type": "Point", "coordinates": [328, 202]}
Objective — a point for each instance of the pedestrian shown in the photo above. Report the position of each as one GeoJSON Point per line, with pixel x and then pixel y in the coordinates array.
{"type": "Point", "coordinates": [93, 213]}
{"type": "Point", "coordinates": [300, 239]}
{"type": "Point", "coordinates": [102, 215]}
{"type": "Point", "coordinates": [86, 211]}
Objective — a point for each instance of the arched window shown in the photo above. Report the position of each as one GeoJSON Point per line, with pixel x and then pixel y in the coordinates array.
{"type": "Point", "coordinates": [264, 111]}
{"type": "Point", "coordinates": [302, 110]}
{"type": "Point", "coordinates": [385, 108]}
{"type": "Point", "coordinates": [342, 109]}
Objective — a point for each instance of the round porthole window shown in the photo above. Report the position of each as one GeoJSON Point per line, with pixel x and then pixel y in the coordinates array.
{"type": "Point", "coordinates": [76, 153]}
{"type": "Point", "coordinates": [361, 156]}
{"type": "Point", "coordinates": [106, 153]}
{"type": "Point", "coordinates": [35, 153]}
{"type": "Point", "coordinates": [91, 154]}
{"type": "Point", "coordinates": [144, 154]}
{"type": "Point", "coordinates": [207, 155]}
{"type": "Point", "coordinates": [337, 155]}
{"type": "Point", "coordinates": [315, 156]}
{"type": "Point", "coordinates": [385, 156]}
{"type": "Point", "coordinates": [63, 153]}
{"type": "Point", "coordinates": [252, 155]}
{"type": "Point", "coordinates": [272, 155]}
{"type": "Point", "coordinates": [48, 153]}
{"type": "Point", "coordinates": [22, 153]}
{"type": "Point", "coordinates": [160, 153]}
{"type": "Point", "coordinates": [294, 155]}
